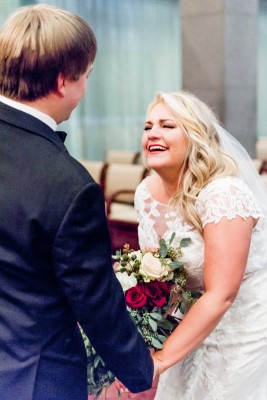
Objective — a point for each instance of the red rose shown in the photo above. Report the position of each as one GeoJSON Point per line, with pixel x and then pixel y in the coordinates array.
{"type": "Point", "coordinates": [135, 298]}
{"type": "Point", "coordinates": [156, 292]}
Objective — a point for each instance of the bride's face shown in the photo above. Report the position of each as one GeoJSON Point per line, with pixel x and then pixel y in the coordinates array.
{"type": "Point", "coordinates": [164, 142]}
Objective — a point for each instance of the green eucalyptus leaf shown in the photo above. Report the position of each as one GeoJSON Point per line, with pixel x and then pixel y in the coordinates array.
{"type": "Point", "coordinates": [133, 319]}
{"type": "Point", "coordinates": [139, 318]}
{"type": "Point", "coordinates": [156, 316]}
{"type": "Point", "coordinates": [156, 343]}
{"type": "Point", "coordinates": [91, 376]}
{"type": "Point", "coordinates": [172, 237]}
{"type": "Point", "coordinates": [185, 242]}
{"type": "Point", "coordinates": [182, 307]}
{"type": "Point", "coordinates": [175, 264]}
{"type": "Point", "coordinates": [162, 242]}
{"type": "Point", "coordinates": [164, 324]}
{"type": "Point", "coordinates": [187, 296]}
{"type": "Point", "coordinates": [153, 324]}
{"type": "Point", "coordinates": [163, 248]}
{"type": "Point", "coordinates": [162, 338]}
{"type": "Point", "coordinates": [195, 294]}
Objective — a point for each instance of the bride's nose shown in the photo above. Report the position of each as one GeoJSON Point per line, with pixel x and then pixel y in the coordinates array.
{"type": "Point", "coordinates": [154, 132]}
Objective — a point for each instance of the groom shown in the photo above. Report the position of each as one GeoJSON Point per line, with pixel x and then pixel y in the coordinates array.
{"type": "Point", "coordinates": [55, 267]}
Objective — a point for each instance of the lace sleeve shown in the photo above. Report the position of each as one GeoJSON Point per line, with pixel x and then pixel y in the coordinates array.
{"type": "Point", "coordinates": [140, 198]}
{"type": "Point", "coordinates": [226, 197]}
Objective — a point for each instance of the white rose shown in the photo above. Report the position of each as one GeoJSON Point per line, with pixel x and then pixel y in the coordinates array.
{"type": "Point", "coordinates": [126, 281]}
{"type": "Point", "coordinates": [152, 268]}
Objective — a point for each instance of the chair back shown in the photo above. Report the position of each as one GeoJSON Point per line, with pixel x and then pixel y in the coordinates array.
{"type": "Point", "coordinates": [261, 148]}
{"type": "Point", "coordinates": [121, 157]}
{"type": "Point", "coordinates": [123, 178]}
{"type": "Point", "coordinates": [96, 169]}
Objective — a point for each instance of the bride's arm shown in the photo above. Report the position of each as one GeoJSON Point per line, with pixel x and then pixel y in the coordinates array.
{"type": "Point", "coordinates": [226, 250]}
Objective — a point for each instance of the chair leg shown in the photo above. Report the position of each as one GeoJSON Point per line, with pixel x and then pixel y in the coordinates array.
{"type": "Point", "coordinates": [263, 168]}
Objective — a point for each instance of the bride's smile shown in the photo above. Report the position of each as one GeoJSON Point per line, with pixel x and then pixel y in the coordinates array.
{"type": "Point", "coordinates": [164, 142]}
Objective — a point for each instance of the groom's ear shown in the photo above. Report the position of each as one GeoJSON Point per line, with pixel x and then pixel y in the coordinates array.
{"type": "Point", "coordinates": [60, 85]}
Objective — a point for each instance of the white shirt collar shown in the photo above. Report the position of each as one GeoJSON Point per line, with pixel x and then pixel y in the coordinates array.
{"type": "Point", "coordinates": [30, 110]}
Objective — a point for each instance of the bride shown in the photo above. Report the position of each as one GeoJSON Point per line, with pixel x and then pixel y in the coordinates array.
{"type": "Point", "coordinates": [204, 187]}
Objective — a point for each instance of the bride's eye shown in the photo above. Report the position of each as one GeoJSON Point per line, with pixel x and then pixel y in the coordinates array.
{"type": "Point", "coordinates": [169, 126]}
{"type": "Point", "coordinates": [146, 128]}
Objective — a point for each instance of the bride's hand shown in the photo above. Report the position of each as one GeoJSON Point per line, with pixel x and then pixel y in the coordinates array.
{"type": "Point", "coordinates": [159, 366]}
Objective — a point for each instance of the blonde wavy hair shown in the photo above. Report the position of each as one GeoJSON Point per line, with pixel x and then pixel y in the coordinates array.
{"type": "Point", "coordinates": [39, 42]}
{"type": "Point", "coordinates": [205, 159]}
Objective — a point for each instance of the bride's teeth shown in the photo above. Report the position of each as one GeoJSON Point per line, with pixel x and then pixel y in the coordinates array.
{"type": "Point", "coordinates": [156, 148]}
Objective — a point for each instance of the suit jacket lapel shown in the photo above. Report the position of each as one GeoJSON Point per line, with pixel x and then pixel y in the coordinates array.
{"type": "Point", "coordinates": [31, 124]}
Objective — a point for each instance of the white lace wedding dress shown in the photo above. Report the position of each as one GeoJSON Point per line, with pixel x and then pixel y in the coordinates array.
{"type": "Point", "coordinates": [231, 364]}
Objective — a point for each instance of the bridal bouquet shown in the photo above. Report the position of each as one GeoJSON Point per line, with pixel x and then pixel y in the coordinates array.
{"type": "Point", "coordinates": [154, 283]}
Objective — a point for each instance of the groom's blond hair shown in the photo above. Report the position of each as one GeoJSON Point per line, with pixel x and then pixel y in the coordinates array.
{"type": "Point", "coordinates": [39, 42]}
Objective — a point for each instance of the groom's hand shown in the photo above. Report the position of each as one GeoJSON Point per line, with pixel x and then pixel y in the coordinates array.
{"type": "Point", "coordinates": [156, 373]}
{"type": "Point", "coordinates": [122, 389]}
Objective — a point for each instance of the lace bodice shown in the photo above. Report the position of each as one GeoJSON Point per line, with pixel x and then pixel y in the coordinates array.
{"type": "Point", "coordinates": [231, 363]}
{"type": "Point", "coordinates": [224, 197]}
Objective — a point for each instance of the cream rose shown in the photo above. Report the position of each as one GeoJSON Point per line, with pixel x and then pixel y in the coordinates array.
{"type": "Point", "coordinates": [151, 267]}
{"type": "Point", "coordinates": [126, 281]}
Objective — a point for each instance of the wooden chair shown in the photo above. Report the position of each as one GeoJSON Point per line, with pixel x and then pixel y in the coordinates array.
{"type": "Point", "coordinates": [263, 168]}
{"type": "Point", "coordinates": [261, 153]}
{"type": "Point", "coordinates": [121, 181]}
{"type": "Point", "coordinates": [139, 158]}
{"type": "Point", "coordinates": [257, 163]}
{"type": "Point", "coordinates": [121, 157]}
{"type": "Point", "coordinates": [261, 148]}
{"type": "Point", "coordinates": [96, 169]}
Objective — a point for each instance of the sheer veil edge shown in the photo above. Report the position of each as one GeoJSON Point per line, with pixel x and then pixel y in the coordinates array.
{"type": "Point", "coordinates": [247, 170]}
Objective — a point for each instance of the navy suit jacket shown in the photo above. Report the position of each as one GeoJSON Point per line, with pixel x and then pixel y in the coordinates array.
{"type": "Point", "coordinates": [55, 271]}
